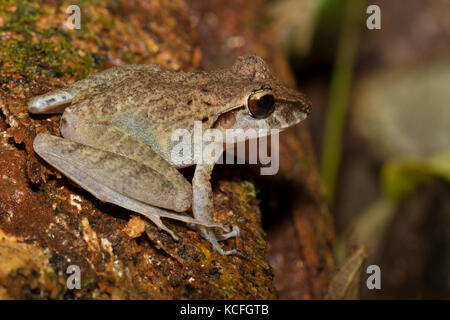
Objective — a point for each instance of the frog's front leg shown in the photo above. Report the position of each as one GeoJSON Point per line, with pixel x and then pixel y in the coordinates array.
{"type": "Point", "coordinates": [203, 206]}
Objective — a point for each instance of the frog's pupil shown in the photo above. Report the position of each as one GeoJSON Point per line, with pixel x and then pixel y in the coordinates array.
{"type": "Point", "coordinates": [262, 107]}
{"type": "Point", "coordinates": [266, 102]}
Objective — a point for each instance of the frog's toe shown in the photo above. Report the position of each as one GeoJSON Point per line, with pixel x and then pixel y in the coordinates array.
{"type": "Point", "coordinates": [209, 225]}
{"type": "Point", "coordinates": [211, 237]}
{"type": "Point", "coordinates": [157, 221]}
{"type": "Point", "coordinates": [219, 249]}
{"type": "Point", "coordinates": [171, 233]}
{"type": "Point", "coordinates": [234, 233]}
{"type": "Point", "coordinates": [229, 252]}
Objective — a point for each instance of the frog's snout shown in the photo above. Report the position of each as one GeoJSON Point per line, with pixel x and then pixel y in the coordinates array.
{"type": "Point", "coordinates": [306, 106]}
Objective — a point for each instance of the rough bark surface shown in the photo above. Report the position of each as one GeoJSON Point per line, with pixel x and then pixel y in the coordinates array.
{"type": "Point", "coordinates": [299, 225]}
{"type": "Point", "coordinates": [47, 224]}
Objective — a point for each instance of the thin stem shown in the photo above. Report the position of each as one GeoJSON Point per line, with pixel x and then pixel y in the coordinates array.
{"type": "Point", "coordinates": [339, 94]}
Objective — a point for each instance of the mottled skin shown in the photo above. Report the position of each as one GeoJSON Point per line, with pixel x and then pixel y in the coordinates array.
{"type": "Point", "coordinates": [117, 133]}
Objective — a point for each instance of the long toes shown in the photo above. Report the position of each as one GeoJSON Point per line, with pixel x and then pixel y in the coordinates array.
{"type": "Point", "coordinates": [224, 227]}
{"type": "Point", "coordinates": [219, 249]}
{"type": "Point", "coordinates": [210, 225]}
{"type": "Point", "coordinates": [162, 226]}
{"type": "Point", "coordinates": [235, 233]}
{"type": "Point", "coordinates": [172, 234]}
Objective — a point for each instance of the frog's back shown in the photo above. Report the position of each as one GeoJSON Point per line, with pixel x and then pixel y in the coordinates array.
{"type": "Point", "coordinates": [153, 97]}
{"type": "Point", "coordinates": [147, 105]}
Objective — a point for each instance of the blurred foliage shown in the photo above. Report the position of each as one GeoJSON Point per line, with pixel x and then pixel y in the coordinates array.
{"type": "Point", "coordinates": [403, 112]}
{"type": "Point", "coordinates": [398, 140]}
{"type": "Point", "coordinates": [327, 22]}
{"type": "Point", "coordinates": [339, 94]}
{"type": "Point", "coordinates": [346, 282]}
{"type": "Point", "coordinates": [401, 177]}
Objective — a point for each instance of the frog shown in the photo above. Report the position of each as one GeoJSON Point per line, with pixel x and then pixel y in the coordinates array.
{"type": "Point", "coordinates": [116, 129]}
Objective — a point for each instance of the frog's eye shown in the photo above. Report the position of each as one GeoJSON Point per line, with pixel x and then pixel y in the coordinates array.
{"type": "Point", "coordinates": [261, 103]}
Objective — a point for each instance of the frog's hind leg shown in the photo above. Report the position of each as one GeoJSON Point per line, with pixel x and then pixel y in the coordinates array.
{"type": "Point", "coordinates": [57, 100]}
{"type": "Point", "coordinates": [116, 179]}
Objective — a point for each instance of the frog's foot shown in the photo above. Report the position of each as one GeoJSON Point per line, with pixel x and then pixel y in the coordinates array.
{"type": "Point", "coordinates": [203, 207]}
{"type": "Point", "coordinates": [214, 239]}
{"type": "Point", "coordinates": [91, 168]}
{"type": "Point", "coordinates": [154, 214]}
{"type": "Point", "coordinates": [151, 212]}
{"type": "Point", "coordinates": [211, 237]}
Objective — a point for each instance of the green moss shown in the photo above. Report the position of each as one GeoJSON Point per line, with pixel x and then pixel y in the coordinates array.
{"type": "Point", "coordinates": [34, 51]}
{"type": "Point", "coordinates": [249, 189]}
{"type": "Point", "coordinates": [88, 283]}
{"type": "Point", "coordinates": [48, 192]}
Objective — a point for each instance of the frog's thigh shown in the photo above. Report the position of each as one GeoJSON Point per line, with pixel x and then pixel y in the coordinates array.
{"type": "Point", "coordinates": [165, 188]}
{"type": "Point", "coordinates": [117, 172]}
{"type": "Point", "coordinates": [57, 100]}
